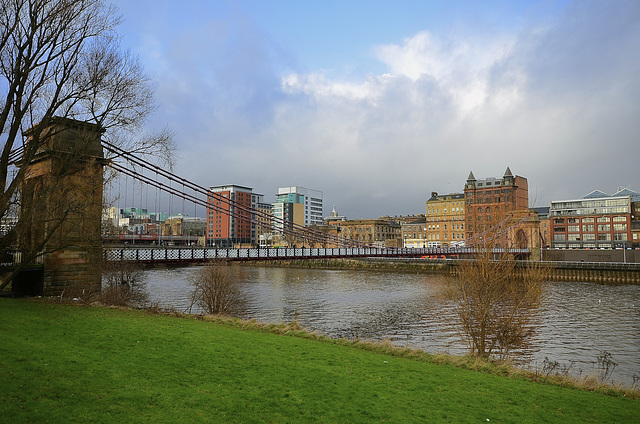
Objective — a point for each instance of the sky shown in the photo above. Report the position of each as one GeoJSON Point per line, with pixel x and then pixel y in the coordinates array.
{"type": "Point", "coordinates": [379, 103]}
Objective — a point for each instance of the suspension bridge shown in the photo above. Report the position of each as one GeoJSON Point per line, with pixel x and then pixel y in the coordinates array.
{"type": "Point", "coordinates": [75, 242]}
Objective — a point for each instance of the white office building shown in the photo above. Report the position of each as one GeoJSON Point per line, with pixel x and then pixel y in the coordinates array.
{"type": "Point", "coordinates": [311, 200]}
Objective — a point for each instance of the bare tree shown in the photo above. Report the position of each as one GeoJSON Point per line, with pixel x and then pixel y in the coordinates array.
{"type": "Point", "coordinates": [215, 290]}
{"type": "Point", "coordinates": [123, 284]}
{"type": "Point", "coordinates": [496, 297]}
{"type": "Point", "coordinates": [62, 59]}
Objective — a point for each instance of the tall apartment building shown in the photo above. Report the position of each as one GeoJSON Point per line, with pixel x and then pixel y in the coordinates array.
{"type": "Point", "coordinates": [297, 205]}
{"type": "Point", "coordinates": [445, 220]}
{"type": "Point", "coordinates": [490, 201]}
{"type": "Point", "coordinates": [229, 216]}
{"type": "Point", "coordinates": [597, 220]}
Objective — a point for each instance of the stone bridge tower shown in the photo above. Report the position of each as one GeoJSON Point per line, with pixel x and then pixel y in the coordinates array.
{"type": "Point", "coordinates": [61, 206]}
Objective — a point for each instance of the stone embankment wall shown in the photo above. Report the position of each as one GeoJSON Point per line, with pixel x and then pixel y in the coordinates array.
{"type": "Point", "coordinates": [592, 255]}
{"type": "Point", "coordinates": [611, 273]}
{"type": "Point", "coordinates": [380, 264]}
{"type": "Point", "coordinates": [596, 272]}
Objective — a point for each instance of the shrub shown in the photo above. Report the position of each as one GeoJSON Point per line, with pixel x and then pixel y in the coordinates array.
{"type": "Point", "coordinates": [496, 298]}
{"type": "Point", "coordinates": [123, 284]}
{"type": "Point", "coordinates": [215, 290]}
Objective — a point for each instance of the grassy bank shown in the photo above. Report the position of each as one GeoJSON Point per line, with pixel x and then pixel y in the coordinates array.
{"type": "Point", "coordinates": [61, 363]}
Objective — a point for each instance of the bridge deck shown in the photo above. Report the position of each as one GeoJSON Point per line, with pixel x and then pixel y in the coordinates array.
{"type": "Point", "coordinates": [204, 254]}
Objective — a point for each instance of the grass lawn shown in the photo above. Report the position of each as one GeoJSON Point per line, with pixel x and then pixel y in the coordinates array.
{"type": "Point", "coordinates": [69, 363]}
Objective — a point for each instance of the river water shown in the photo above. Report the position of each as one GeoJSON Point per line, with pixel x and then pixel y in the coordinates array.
{"type": "Point", "coordinates": [578, 321]}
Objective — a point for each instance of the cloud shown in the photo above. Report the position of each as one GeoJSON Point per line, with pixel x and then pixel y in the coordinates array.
{"type": "Point", "coordinates": [555, 101]}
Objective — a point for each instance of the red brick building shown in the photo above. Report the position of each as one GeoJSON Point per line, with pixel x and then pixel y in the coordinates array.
{"type": "Point", "coordinates": [492, 201]}
{"type": "Point", "coordinates": [597, 220]}
{"type": "Point", "coordinates": [229, 217]}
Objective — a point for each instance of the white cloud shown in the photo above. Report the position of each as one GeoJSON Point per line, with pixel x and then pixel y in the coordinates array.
{"type": "Point", "coordinates": [553, 102]}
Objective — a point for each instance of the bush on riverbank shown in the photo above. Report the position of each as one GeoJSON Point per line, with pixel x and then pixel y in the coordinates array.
{"type": "Point", "coordinates": [62, 363]}
{"type": "Point", "coordinates": [214, 288]}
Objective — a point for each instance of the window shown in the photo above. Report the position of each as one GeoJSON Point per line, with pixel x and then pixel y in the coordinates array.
{"type": "Point", "coordinates": [620, 237]}
{"type": "Point", "coordinates": [619, 219]}
{"type": "Point", "coordinates": [619, 227]}
{"type": "Point", "coordinates": [587, 220]}
{"type": "Point", "coordinates": [604, 227]}
{"type": "Point", "coordinates": [604, 219]}
{"type": "Point", "coordinates": [588, 227]}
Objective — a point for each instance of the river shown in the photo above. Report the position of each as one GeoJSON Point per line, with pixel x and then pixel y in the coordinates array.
{"type": "Point", "coordinates": [578, 321]}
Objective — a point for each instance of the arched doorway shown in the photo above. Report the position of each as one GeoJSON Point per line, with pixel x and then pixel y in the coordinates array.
{"type": "Point", "coordinates": [521, 239]}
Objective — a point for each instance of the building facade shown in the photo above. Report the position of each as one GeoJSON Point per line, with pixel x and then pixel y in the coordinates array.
{"type": "Point", "coordinates": [229, 216]}
{"type": "Point", "coordinates": [414, 233]}
{"type": "Point", "coordinates": [597, 220]}
{"type": "Point", "coordinates": [334, 219]}
{"type": "Point", "coordinates": [491, 202]}
{"type": "Point", "coordinates": [181, 225]}
{"type": "Point", "coordinates": [297, 206]}
{"type": "Point", "coordinates": [378, 232]}
{"type": "Point", "coordinates": [445, 220]}
{"type": "Point", "coordinates": [263, 223]}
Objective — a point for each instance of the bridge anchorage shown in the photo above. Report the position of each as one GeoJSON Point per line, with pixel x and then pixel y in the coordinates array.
{"type": "Point", "coordinates": [60, 210]}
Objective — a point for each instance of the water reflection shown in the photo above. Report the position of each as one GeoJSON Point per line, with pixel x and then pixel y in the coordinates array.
{"type": "Point", "coordinates": [578, 320]}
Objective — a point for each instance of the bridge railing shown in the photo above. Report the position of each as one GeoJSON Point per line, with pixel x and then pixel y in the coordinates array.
{"type": "Point", "coordinates": [11, 257]}
{"type": "Point", "coordinates": [204, 254]}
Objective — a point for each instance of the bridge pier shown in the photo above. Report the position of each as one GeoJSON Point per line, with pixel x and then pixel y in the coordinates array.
{"type": "Point", "coordinates": [61, 207]}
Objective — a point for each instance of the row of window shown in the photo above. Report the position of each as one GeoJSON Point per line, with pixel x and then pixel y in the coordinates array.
{"type": "Point", "coordinates": [590, 237]}
{"type": "Point", "coordinates": [590, 211]}
{"type": "Point", "coordinates": [454, 236]}
{"type": "Point", "coordinates": [596, 203]}
{"type": "Point", "coordinates": [444, 210]}
{"type": "Point", "coordinates": [589, 219]}
{"type": "Point", "coordinates": [446, 218]}
{"type": "Point", "coordinates": [488, 192]}
{"type": "Point", "coordinates": [496, 199]}
{"type": "Point", "coordinates": [590, 228]}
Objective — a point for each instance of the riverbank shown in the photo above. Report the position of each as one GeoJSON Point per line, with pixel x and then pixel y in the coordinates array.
{"type": "Point", "coordinates": [70, 363]}
{"type": "Point", "coordinates": [373, 264]}
{"type": "Point", "coordinates": [606, 273]}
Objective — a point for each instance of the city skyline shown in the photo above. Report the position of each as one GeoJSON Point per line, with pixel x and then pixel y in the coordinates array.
{"type": "Point", "coordinates": [377, 105]}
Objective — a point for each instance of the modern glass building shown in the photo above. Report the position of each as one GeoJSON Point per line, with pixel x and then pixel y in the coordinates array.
{"type": "Point", "coordinates": [598, 220]}
{"type": "Point", "coordinates": [299, 206]}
